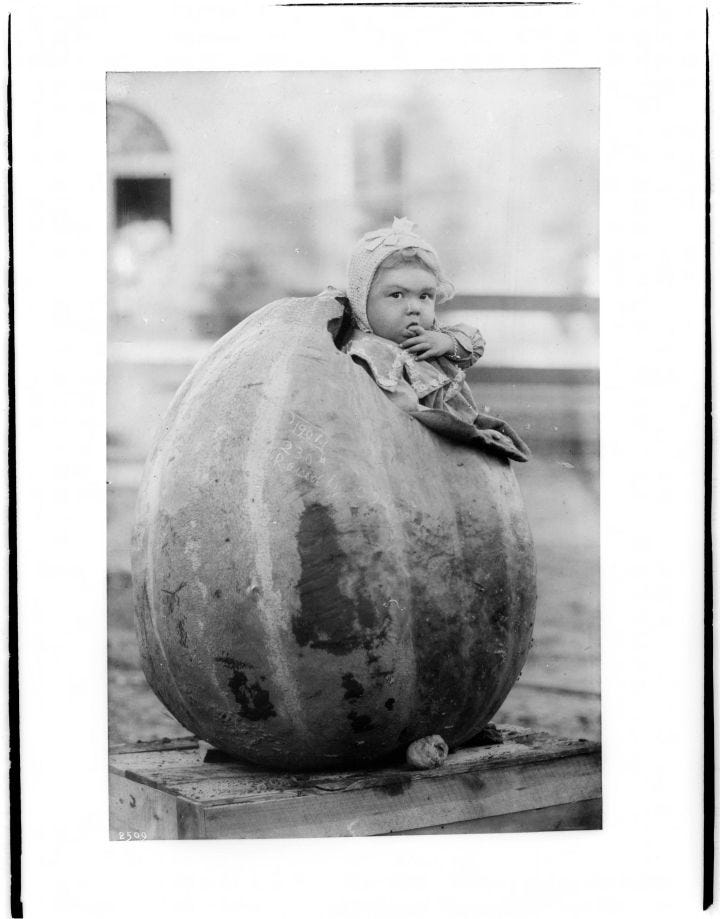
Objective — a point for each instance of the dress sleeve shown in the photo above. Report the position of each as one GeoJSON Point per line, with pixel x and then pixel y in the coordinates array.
{"type": "Point", "coordinates": [469, 344]}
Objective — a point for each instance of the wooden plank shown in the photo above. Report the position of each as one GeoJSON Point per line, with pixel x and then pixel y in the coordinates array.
{"type": "Point", "coordinates": [234, 782]}
{"type": "Point", "coordinates": [136, 808]}
{"type": "Point", "coordinates": [150, 746]}
{"type": "Point", "coordinates": [579, 815]}
{"type": "Point", "coordinates": [169, 792]}
{"type": "Point", "coordinates": [191, 820]}
{"type": "Point", "coordinates": [159, 761]}
{"type": "Point", "coordinates": [224, 788]}
{"type": "Point", "coordinates": [229, 788]}
{"type": "Point", "coordinates": [383, 809]}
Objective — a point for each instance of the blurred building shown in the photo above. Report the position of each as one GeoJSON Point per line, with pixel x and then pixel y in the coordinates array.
{"type": "Point", "coordinates": [272, 176]}
{"type": "Point", "coordinates": [228, 190]}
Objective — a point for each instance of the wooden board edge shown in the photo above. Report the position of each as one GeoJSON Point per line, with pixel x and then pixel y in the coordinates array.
{"type": "Point", "coordinates": [166, 779]}
{"type": "Point", "coordinates": [154, 746]}
{"type": "Point", "coordinates": [578, 815]}
{"type": "Point", "coordinates": [372, 811]}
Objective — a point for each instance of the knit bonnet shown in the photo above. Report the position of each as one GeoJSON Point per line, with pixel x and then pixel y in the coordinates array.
{"type": "Point", "coordinates": [370, 251]}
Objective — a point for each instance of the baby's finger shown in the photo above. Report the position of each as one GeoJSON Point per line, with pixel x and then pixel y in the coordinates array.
{"type": "Point", "coordinates": [432, 351]}
{"type": "Point", "coordinates": [409, 342]}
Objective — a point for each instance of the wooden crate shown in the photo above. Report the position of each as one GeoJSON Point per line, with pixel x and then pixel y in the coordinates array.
{"type": "Point", "coordinates": [532, 781]}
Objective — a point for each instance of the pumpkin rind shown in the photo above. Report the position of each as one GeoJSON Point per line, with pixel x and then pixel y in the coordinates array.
{"type": "Point", "coordinates": [319, 579]}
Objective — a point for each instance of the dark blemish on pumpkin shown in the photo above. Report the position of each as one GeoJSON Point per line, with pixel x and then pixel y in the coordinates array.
{"type": "Point", "coordinates": [447, 691]}
{"type": "Point", "coordinates": [360, 723]}
{"type": "Point", "coordinates": [501, 613]}
{"type": "Point", "coordinates": [182, 633]}
{"type": "Point", "coordinates": [372, 659]}
{"type": "Point", "coordinates": [227, 539]}
{"type": "Point", "coordinates": [132, 801]}
{"type": "Point", "coordinates": [353, 689]}
{"type": "Point", "coordinates": [354, 511]}
{"type": "Point", "coordinates": [366, 613]}
{"type": "Point", "coordinates": [217, 594]}
{"type": "Point", "coordinates": [397, 787]}
{"type": "Point", "coordinates": [328, 620]}
{"type": "Point", "coordinates": [378, 638]}
{"type": "Point", "coordinates": [232, 662]}
{"type": "Point", "coordinates": [254, 701]}
{"type": "Point", "coordinates": [379, 674]}
{"type": "Point", "coordinates": [174, 598]}
{"type": "Point", "coordinates": [389, 703]}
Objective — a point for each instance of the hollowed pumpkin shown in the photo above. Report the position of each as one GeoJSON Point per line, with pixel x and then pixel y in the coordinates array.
{"type": "Point", "coordinates": [320, 580]}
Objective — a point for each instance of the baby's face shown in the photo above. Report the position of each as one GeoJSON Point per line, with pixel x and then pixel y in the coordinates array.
{"type": "Point", "coordinates": [401, 302]}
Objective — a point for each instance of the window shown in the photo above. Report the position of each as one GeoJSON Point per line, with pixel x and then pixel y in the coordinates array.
{"type": "Point", "coordinates": [139, 199]}
{"type": "Point", "coordinates": [129, 131]}
{"type": "Point", "coordinates": [378, 168]}
{"type": "Point", "coordinates": [139, 169]}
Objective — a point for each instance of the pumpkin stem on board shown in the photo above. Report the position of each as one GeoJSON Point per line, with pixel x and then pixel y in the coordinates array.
{"type": "Point", "coordinates": [427, 753]}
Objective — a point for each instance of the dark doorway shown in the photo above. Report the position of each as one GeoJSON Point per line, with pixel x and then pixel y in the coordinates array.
{"type": "Point", "coordinates": [142, 199]}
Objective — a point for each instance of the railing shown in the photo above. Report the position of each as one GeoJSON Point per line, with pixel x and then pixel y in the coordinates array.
{"type": "Point", "coordinates": [547, 386]}
{"type": "Point", "coordinates": [500, 302]}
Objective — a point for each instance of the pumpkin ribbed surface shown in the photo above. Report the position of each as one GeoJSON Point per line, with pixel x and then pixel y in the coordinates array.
{"type": "Point", "coordinates": [319, 579]}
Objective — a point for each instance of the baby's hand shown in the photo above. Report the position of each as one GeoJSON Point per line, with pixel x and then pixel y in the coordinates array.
{"type": "Point", "coordinates": [427, 344]}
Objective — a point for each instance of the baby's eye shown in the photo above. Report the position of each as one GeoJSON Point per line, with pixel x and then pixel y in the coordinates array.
{"type": "Point", "coordinates": [396, 294]}
{"type": "Point", "coordinates": [427, 296]}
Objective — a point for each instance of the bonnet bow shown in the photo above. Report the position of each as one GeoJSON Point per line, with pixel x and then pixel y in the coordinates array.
{"type": "Point", "coordinates": [402, 233]}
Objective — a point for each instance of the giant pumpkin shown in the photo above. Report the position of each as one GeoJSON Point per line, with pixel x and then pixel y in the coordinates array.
{"type": "Point", "coordinates": [321, 580]}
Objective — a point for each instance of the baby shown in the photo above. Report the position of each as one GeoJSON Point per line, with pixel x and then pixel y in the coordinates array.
{"type": "Point", "coordinates": [394, 283]}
